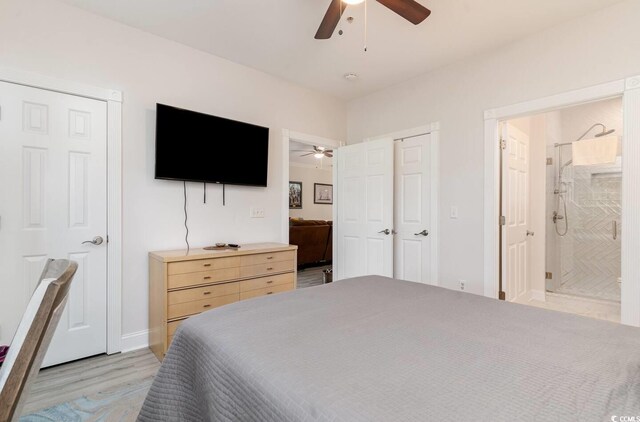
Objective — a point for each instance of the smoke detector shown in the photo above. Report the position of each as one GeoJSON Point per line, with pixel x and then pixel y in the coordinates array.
{"type": "Point", "coordinates": [351, 76]}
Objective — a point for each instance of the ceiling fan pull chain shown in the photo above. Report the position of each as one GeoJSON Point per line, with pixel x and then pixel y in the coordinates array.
{"type": "Point", "coordinates": [365, 26]}
{"type": "Point", "coordinates": [342, 9]}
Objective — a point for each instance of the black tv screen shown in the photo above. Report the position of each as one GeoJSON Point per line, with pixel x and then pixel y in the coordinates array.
{"type": "Point", "coordinates": [200, 147]}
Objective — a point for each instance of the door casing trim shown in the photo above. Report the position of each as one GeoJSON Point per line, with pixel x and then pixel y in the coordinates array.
{"type": "Point", "coordinates": [629, 90]}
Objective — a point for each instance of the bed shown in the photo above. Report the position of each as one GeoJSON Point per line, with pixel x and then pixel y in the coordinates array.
{"type": "Point", "coordinates": [379, 349]}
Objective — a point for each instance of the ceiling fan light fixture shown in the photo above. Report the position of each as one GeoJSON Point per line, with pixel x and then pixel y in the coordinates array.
{"type": "Point", "coordinates": [318, 155]}
{"type": "Point", "coordinates": [410, 10]}
{"type": "Point", "coordinates": [351, 76]}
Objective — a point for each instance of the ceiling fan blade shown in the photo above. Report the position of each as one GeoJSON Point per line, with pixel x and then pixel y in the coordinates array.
{"type": "Point", "coordinates": [328, 154]}
{"type": "Point", "coordinates": [411, 10]}
{"type": "Point", "coordinates": [330, 20]}
{"type": "Point", "coordinates": [304, 155]}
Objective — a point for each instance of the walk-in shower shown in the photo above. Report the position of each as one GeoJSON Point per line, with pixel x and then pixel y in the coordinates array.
{"type": "Point", "coordinates": [583, 217]}
{"type": "Point", "coordinates": [560, 216]}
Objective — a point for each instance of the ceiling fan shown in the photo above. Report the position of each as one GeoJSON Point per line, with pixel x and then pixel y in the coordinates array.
{"type": "Point", "coordinates": [411, 10]}
{"type": "Point", "coordinates": [318, 152]}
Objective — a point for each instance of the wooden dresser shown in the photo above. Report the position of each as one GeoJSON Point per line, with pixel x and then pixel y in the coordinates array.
{"type": "Point", "coordinates": [182, 285]}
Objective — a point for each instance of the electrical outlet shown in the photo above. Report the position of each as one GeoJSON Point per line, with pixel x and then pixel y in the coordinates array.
{"type": "Point", "coordinates": [257, 212]}
{"type": "Point", "coordinates": [462, 282]}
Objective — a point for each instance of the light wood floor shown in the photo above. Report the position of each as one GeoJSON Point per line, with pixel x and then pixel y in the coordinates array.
{"type": "Point", "coordinates": [119, 382]}
{"type": "Point", "coordinates": [310, 277]}
{"type": "Point", "coordinates": [107, 387]}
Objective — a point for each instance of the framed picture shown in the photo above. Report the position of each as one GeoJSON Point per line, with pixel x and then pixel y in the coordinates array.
{"type": "Point", "coordinates": [322, 193]}
{"type": "Point", "coordinates": [295, 195]}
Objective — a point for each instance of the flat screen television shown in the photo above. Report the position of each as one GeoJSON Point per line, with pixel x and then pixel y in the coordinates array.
{"type": "Point", "coordinates": [200, 147]}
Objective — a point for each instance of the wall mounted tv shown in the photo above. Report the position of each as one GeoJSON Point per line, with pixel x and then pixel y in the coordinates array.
{"type": "Point", "coordinates": [200, 147]}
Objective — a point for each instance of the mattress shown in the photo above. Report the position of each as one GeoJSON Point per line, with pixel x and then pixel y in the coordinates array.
{"type": "Point", "coordinates": [378, 349]}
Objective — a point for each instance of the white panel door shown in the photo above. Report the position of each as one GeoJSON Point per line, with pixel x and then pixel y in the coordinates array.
{"type": "Point", "coordinates": [365, 209]}
{"type": "Point", "coordinates": [412, 191]}
{"type": "Point", "coordinates": [53, 192]}
{"type": "Point", "coordinates": [515, 208]}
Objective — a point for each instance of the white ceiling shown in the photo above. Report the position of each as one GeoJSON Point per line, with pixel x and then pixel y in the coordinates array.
{"type": "Point", "coordinates": [276, 36]}
{"type": "Point", "coordinates": [308, 161]}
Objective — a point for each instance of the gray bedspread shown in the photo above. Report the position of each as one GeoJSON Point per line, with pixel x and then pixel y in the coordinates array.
{"type": "Point", "coordinates": [378, 349]}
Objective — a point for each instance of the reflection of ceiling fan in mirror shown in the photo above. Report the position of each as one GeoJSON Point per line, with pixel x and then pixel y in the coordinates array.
{"type": "Point", "coordinates": [318, 152]}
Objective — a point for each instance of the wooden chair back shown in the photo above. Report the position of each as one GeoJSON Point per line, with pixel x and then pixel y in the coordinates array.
{"type": "Point", "coordinates": [28, 356]}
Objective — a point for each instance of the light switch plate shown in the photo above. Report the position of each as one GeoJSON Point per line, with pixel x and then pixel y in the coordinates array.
{"type": "Point", "coordinates": [454, 212]}
{"type": "Point", "coordinates": [257, 212]}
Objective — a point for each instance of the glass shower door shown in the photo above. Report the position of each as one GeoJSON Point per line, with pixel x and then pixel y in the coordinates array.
{"type": "Point", "coordinates": [589, 259]}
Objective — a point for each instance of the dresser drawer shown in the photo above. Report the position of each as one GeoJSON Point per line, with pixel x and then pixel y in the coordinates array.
{"type": "Point", "coordinates": [266, 291]}
{"type": "Point", "coordinates": [190, 308]}
{"type": "Point", "coordinates": [173, 326]}
{"type": "Point", "coordinates": [265, 258]}
{"type": "Point", "coordinates": [202, 277]}
{"type": "Point", "coordinates": [202, 265]}
{"type": "Point", "coordinates": [199, 293]}
{"type": "Point", "coordinates": [264, 282]}
{"type": "Point", "coordinates": [265, 269]}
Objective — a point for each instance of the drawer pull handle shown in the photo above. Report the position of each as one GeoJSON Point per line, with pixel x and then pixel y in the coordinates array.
{"type": "Point", "coordinates": [269, 257]}
{"type": "Point", "coordinates": [270, 281]}
{"type": "Point", "coordinates": [207, 265]}
{"type": "Point", "coordinates": [269, 293]}
{"type": "Point", "coordinates": [206, 306]}
{"type": "Point", "coordinates": [269, 268]}
{"type": "Point", "coordinates": [207, 278]}
{"type": "Point", "coordinates": [206, 293]}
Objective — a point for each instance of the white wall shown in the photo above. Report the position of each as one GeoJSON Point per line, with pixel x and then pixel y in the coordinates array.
{"type": "Point", "coordinates": [592, 49]}
{"type": "Point", "coordinates": [308, 176]}
{"type": "Point", "coordinates": [537, 191]}
{"type": "Point", "coordinates": [57, 40]}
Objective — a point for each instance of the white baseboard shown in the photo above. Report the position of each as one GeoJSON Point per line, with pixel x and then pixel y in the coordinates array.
{"type": "Point", "coordinates": [538, 295]}
{"type": "Point", "coordinates": [135, 341]}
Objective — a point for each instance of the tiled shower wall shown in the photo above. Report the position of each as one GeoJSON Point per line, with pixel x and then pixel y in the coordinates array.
{"type": "Point", "coordinates": [589, 252]}
{"type": "Point", "coordinates": [586, 261]}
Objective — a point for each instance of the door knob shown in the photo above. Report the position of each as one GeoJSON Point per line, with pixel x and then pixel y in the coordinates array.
{"type": "Point", "coordinates": [530, 233]}
{"type": "Point", "coordinates": [422, 233]}
{"type": "Point", "coordinates": [95, 241]}
{"type": "Point", "coordinates": [385, 231]}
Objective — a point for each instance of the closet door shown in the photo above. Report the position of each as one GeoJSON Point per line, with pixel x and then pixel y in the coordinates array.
{"type": "Point", "coordinates": [53, 203]}
{"type": "Point", "coordinates": [413, 242]}
{"type": "Point", "coordinates": [364, 221]}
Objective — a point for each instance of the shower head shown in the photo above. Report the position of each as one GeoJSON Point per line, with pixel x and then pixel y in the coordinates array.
{"type": "Point", "coordinates": [598, 135]}
{"type": "Point", "coordinates": [605, 132]}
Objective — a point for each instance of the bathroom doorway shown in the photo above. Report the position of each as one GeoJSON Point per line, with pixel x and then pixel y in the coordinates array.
{"type": "Point", "coordinates": [561, 184]}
